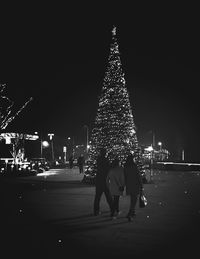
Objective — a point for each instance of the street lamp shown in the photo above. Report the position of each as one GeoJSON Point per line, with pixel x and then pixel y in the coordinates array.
{"type": "Point", "coordinates": [65, 154]}
{"type": "Point", "coordinates": [150, 149]}
{"type": "Point", "coordinates": [87, 145]}
{"type": "Point", "coordinates": [43, 144]}
{"type": "Point", "coordinates": [68, 148]}
{"type": "Point", "coordinates": [71, 145]}
{"type": "Point", "coordinates": [51, 138]}
{"type": "Point", "coordinates": [160, 145]}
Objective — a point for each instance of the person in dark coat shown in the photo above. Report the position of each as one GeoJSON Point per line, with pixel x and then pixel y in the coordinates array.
{"type": "Point", "coordinates": [133, 182]}
{"type": "Point", "coordinates": [71, 162]}
{"type": "Point", "coordinates": [101, 187]}
{"type": "Point", "coordinates": [81, 162]}
{"type": "Point", "coordinates": [116, 184]}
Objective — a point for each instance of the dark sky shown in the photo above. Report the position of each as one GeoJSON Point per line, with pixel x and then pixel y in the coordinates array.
{"type": "Point", "coordinates": [58, 56]}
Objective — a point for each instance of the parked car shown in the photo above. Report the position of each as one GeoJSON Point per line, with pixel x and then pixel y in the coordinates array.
{"type": "Point", "coordinates": [39, 164]}
{"type": "Point", "coordinates": [89, 173]}
{"type": "Point", "coordinates": [9, 168]}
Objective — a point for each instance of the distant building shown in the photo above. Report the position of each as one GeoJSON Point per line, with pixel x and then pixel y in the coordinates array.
{"type": "Point", "coordinates": [13, 146]}
{"type": "Point", "coordinates": [148, 153]}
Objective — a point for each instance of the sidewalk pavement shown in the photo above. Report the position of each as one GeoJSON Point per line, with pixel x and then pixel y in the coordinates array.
{"type": "Point", "coordinates": [51, 214]}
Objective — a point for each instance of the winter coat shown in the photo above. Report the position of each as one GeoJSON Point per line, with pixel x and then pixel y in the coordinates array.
{"type": "Point", "coordinates": [81, 161]}
{"type": "Point", "coordinates": [133, 179]}
{"type": "Point", "coordinates": [103, 166]}
{"type": "Point", "coordinates": [115, 180]}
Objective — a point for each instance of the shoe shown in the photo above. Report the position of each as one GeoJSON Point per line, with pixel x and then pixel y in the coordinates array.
{"type": "Point", "coordinates": [130, 218]}
{"type": "Point", "coordinates": [132, 214]}
{"type": "Point", "coordinates": [97, 213]}
{"type": "Point", "coordinates": [119, 213]}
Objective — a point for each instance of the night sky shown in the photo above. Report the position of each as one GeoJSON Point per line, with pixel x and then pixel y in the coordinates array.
{"type": "Point", "coordinates": [58, 55]}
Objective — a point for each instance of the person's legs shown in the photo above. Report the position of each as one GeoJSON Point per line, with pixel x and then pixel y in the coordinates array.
{"type": "Point", "coordinates": [97, 198]}
{"type": "Point", "coordinates": [115, 205]}
{"type": "Point", "coordinates": [109, 199]}
{"type": "Point", "coordinates": [116, 202]}
{"type": "Point", "coordinates": [133, 201]}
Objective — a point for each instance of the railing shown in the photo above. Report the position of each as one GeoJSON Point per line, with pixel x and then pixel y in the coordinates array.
{"type": "Point", "coordinates": [177, 166]}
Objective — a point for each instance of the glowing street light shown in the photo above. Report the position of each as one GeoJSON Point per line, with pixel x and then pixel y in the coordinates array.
{"type": "Point", "coordinates": [150, 149]}
{"type": "Point", "coordinates": [51, 138]}
{"type": "Point", "coordinates": [160, 154]}
{"type": "Point", "coordinates": [45, 143]}
{"type": "Point", "coordinates": [71, 145]}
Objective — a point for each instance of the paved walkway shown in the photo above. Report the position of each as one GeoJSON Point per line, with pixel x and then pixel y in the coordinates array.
{"type": "Point", "coordinates": [51, 214]}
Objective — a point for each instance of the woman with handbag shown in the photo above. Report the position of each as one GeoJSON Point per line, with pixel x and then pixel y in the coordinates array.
{"type": "Point", "coordinates": [134, 185]}
{"type": "Point", "coordinates": [116, 182]}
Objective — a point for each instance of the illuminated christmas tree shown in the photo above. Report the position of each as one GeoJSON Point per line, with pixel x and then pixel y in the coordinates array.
{"type": "Point", "coordinates": [114, 127]}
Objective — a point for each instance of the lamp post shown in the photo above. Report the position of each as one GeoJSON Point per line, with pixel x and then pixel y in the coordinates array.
{"type": "Point", "coordinates": [51, 138]}
{"type": "Point", "coordinates": [153, 139]}
{"type": "Point", "coordinates": [65, 152]}
{"type": "Point", "coordinates": [41, 145]}
{"type": "Point", "coordinates": [44, 144]}
{"type": "Point", "coordinates": [160, 145]}
{"type": "Point", "coordinates": [68, 147]}
{"type": "Point", "coordinates": [73, 144]}
{"type": "Point", "coordinates": [150, 149]}
{"type": "Point", "coordinates": [41, 150]}
{"type": "Point", "coordinates": [87, 133]}
{"type": "Point", "coordinates": [183, 155]}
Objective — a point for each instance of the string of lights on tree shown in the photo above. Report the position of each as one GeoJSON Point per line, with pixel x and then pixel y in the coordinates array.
{"type": "Point", "coordinates": [114, 128]}
{"type": "Point", "coordinates": [7, 114]}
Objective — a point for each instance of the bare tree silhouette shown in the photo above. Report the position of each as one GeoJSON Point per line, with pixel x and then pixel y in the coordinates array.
{"type": "Point", "coordinates": [7, 113]}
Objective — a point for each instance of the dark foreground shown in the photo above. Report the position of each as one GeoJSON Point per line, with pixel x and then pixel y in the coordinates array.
{"type": "Point", "coordinates": [51, 216]}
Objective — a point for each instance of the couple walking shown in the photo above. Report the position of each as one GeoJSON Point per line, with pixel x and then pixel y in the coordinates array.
{"type": "Point", "coordinates": [111, 180]}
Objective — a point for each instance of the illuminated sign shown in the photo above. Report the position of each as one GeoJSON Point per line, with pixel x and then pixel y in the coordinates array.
{"type": "Point", "coordinates": [8, 136]}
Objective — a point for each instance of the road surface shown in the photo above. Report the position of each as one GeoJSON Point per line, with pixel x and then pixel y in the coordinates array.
{"type": "Point", "coordinates": [52, 214]}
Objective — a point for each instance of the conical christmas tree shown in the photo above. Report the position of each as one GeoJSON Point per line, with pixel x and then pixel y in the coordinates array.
{"type": "Point", "coordinates": [114, 127]}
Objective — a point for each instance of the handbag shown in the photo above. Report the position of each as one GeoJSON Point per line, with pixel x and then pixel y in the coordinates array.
{"type": "Point", "coordinates": [142, 201]}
